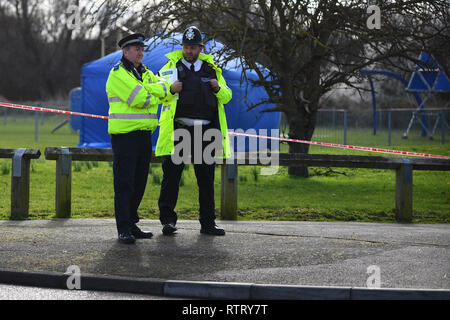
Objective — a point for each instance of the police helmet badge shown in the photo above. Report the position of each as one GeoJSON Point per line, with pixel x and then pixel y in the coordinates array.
{"type": "Point", "coordinates": [190, 34]}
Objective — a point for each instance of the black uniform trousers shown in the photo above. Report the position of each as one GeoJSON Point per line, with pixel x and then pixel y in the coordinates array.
{"type": "Point", "coordinates": [171, 181]}
{"type": "Point", "coordinates": [132, 155]}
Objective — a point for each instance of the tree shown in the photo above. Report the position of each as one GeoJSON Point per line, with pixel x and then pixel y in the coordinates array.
{"type": "Point", "coordinates": [46, 43]}
{"type": "Point", "coordinates": [303, 49]}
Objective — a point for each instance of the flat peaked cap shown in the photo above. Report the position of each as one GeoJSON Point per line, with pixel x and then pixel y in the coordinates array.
{"type": "Point", "coordinates": [135, 38]}
{"type": "Point", "coordinates": [191, 36]}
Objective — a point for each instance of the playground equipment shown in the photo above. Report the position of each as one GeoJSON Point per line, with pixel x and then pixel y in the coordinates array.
{"type": "Point", "coordinates": [427, 80]}
{"type": "Point", "coordinates": [394, 75]}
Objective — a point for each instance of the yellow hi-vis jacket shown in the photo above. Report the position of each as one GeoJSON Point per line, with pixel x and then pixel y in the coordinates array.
{"type": "Point", "coordinates": [165, 144]}
{"type": "Point", "coordinates": [133, 104]}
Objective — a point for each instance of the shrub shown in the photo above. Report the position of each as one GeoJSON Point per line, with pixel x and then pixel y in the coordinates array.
{"type": "Point", "coordinates": [6, 169]}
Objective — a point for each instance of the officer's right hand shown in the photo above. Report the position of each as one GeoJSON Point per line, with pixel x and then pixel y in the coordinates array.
{"type": "Point", "coordinates": [177, 86]}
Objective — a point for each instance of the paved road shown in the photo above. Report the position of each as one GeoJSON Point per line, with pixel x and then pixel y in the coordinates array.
{"type": "Point", "coordinates": [12, 292]}
{"type": "Point", "coordinates": [295, 253]}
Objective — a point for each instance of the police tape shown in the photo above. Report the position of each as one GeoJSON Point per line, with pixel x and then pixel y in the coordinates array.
{"type": "Point", "coordinates": [40, 109]}
{"type": "Point", "coordinates": [325, 144]}
{"type": "Point", "coordinates": [344, 146]}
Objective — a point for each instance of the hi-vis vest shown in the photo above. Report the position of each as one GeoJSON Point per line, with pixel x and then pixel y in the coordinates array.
{"type": "Point", "coordinates": [165, 144]}
{"type": "Point", "coordinates": [133, 104]}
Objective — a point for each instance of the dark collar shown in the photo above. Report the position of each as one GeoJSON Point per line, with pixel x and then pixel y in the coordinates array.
{"type": "Point", "coordinates": [130, 67]}
{"type": "Point", "coordinates": [127, 63]}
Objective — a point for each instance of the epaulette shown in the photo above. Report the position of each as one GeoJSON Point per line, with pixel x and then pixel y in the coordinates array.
{"type": "Point", "coordinates": [116, 66]}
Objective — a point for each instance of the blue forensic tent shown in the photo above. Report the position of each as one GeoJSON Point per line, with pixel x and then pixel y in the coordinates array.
{"type": "Point", "coordinates": [94, 132]}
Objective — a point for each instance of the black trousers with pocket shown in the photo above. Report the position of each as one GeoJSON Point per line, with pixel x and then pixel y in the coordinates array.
{"type": "Point", "coordinates": [131, 161]}
{"type": "Point", "coordinates": [171, 181]}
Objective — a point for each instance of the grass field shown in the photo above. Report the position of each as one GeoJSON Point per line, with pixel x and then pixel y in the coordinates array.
{"type": "Point", "coordinates": [359, 195]}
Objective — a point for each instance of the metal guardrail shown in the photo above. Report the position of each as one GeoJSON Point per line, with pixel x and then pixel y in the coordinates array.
{"type": "Point", "coordinates": [20, 175]}
{"type": "Point", "coordinates": [229, 188]}
{"type": "Point", "coordinates": [20, 179]}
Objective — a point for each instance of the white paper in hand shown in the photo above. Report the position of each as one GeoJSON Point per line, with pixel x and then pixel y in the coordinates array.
{"type": "Point", "coordinates": [170, 75]}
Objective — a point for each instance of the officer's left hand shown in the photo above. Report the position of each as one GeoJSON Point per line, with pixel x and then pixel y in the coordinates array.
{"type": "Point", "coordinates": [214, 85]}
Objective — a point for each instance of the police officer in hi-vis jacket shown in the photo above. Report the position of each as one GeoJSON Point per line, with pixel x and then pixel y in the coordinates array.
{"type": "Point", "coordinates": [134, 93]}
{"type": "Point", "coordinates": [202, 93]}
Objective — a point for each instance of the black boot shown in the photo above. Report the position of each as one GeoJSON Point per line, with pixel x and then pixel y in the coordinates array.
{"type": "Point", "coordinates": [139, 234]}
{"type": "Point", "coordinates": [169, 229]}
{"type": "Point", "coordinates": [127, 238]}
{"type": "Point", "coordinates": [212, 230]}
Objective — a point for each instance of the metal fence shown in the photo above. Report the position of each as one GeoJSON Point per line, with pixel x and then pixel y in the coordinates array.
{"type": "Point", "coordinates": [31, 123]}
{"type": "Point", "coordinates": [393, 127]}
{"type": "Point", "coordinates": [387, 127]}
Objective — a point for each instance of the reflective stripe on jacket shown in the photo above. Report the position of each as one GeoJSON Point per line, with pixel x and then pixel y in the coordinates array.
{"type": "Point", "coordinates": [133, 104]}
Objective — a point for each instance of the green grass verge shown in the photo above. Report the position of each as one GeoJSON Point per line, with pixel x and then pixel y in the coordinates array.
{"type": "Point", "coordinates": [339, 195]}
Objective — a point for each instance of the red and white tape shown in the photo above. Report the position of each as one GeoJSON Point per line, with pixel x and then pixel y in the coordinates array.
{"type": "Point", "coordinates": [343, 146]}
{"type": "Point", "coordinates": [18, 106]}
{"type": "Point", "coordinates": [325, 144]}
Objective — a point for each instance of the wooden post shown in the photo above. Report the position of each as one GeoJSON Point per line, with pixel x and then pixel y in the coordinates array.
{"type": "Point", "coordinates": [229, 192]}
{"type": "Point", "coordinates": [63, 198]}
{"type": "Point", "coordinates": [20, 186]}
{"type": "Point", "coordinates": [345, 127]}
{"type": "Point", "coordinates": [443, 125]}
{"type": "Point", "coordinates": [403, 192]}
